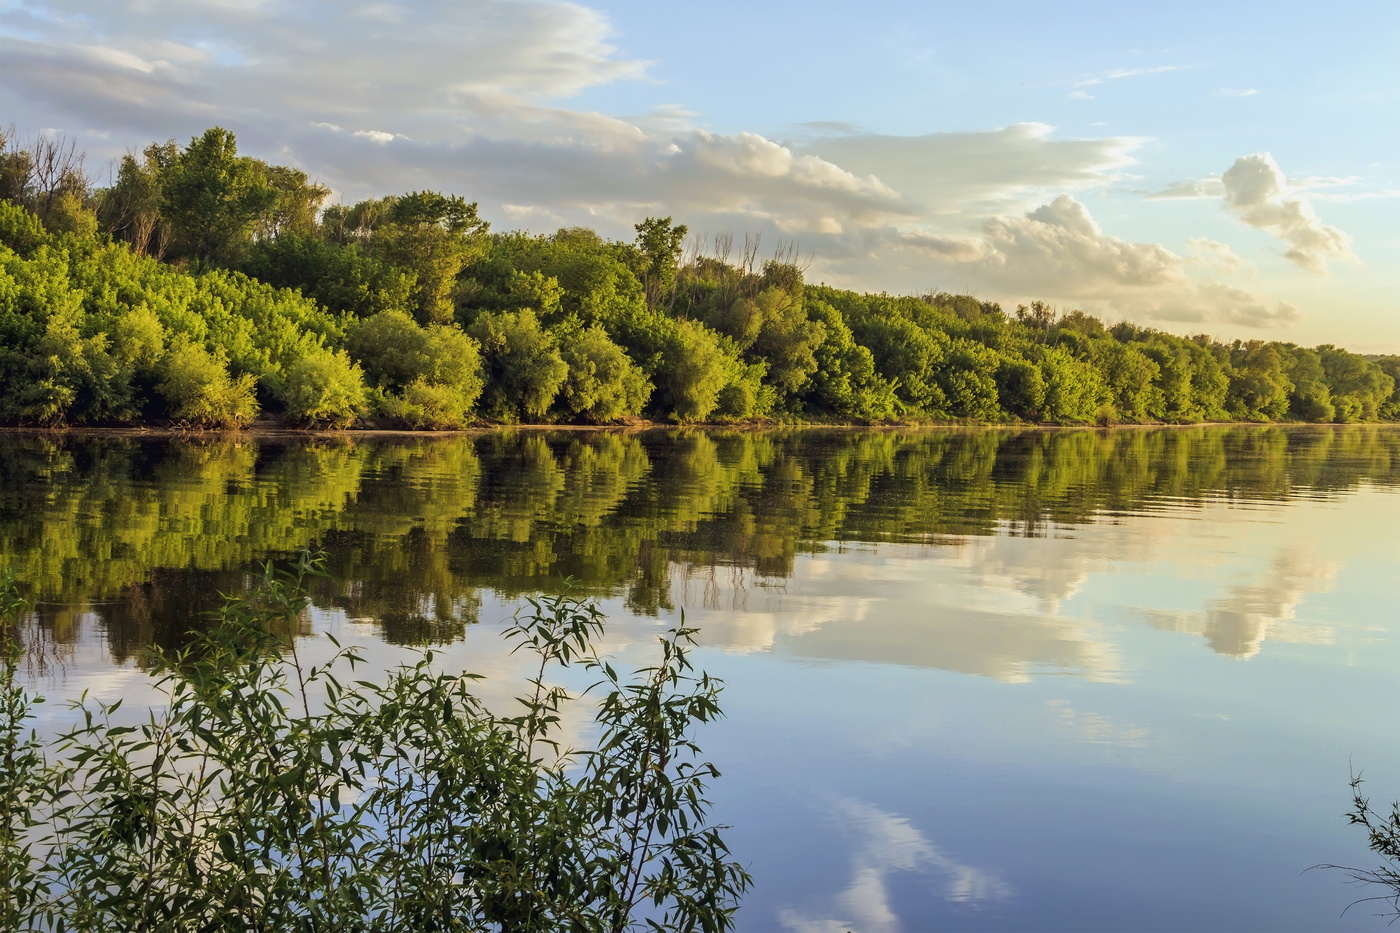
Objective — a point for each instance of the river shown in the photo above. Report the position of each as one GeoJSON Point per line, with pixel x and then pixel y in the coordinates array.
{"type": "Point", "coordinates": [976, 678]}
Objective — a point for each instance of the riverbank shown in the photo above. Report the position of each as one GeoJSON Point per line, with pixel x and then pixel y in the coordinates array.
{"type": "Point", "coordinates": [268, 429]}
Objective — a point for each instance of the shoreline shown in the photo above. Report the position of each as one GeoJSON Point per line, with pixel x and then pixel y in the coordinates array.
{"type": "Point", "coordinates": [268, 430]}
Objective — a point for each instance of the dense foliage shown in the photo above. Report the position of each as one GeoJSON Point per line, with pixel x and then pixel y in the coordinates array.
{"type": "Point", "coordinates": [204, 287]}
{"type": "Point", "coordinates": [273, 794]}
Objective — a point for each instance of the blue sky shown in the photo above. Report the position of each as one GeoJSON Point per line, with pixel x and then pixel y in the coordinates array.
{"type": "Point", "coordinates": [1220, 167]}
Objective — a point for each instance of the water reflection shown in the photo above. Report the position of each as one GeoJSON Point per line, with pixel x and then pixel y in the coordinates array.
{"type": "Point", "coordinates": [1237, 623]}
{"type": "Point", "coordinates": [886, 844]}
{"type": "Point", "coordinates": [1098, 729]}
{"type": "Point", "coordinates": [133, 533]}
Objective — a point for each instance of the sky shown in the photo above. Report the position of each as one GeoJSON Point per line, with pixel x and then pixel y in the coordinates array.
{"type": "Point", "coordinates": [1225, 167]}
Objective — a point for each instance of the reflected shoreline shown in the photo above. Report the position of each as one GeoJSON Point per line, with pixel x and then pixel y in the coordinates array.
{"type": "Point", "coordinates": [136, 528]}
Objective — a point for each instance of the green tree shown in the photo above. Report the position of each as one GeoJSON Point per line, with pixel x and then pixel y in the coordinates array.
{"type": "Point", "coordinates": [1021, 388]}
{"type": "Point", "coordinates": [522, 362]}
{"type": "Point", "coordinates": [1075, 391]}
{"type": "Point", "coordinates": [1359, 387]}
{"type": "Point", "coordinates": [603, 385]}
{"type": "Point", "coordinates": [297, 202]}
{"type": "Point", "coordinates": [846, 383]}
{"type": "Point", "coordinates": [1310, 398]}
{"type": "Point", "coordinates": [339, 278]}
{"type": "Point", "coordinates": [213, 198]}
{"type": "Point", "coordinates": [658, 250]}
{"type": "Point", "coordinates": [130, 210]}
{"type": "Point", "coordinates": [1259, 387]}
{"type": "Point", "coordinates": [694, 369]}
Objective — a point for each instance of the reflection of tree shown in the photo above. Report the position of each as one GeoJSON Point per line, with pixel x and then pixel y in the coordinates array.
{"type": "Point", "coordinates": [417, 527]}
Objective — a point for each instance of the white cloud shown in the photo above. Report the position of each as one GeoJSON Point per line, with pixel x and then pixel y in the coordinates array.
{"type": "Point", "coordinates": [465, 96]}
{"type": "Point", "coordinates": [981, 172]}
{"type": "Point", "coordinates": [1196, 189]}
{"type": "Point", "coordinates": [1117, 74]}
{"type": "Point", "coordinates": [1236, 92]}
{"type": "Point", "coordinates": [1058, 251]}
{"type": "Point", "coordinates": [1216, 257]}
{"type": "Point", "coordinates": [1257, 192]}
{"type": "Point", "coordinates": [378, 136]}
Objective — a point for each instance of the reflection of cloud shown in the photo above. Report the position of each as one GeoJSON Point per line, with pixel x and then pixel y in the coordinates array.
{"type": "Point", "coordinates": [1052, 570]}
{"type": "Point", "coordinates": [888, 844]}
{"type": "Point", "coordinates": [884, 609]}
{"type": "Point", "coordinates": [1237, 623]}
{"type": "Point", "coordinates": [1096, 729]}
{"type": "Point", "coordinates": [1006, 646]}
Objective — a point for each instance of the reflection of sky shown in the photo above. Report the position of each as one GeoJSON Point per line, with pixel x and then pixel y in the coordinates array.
{"type": "Point", "coordinates": [881, 845]}
{"type": "Point", "coordinates": [1157, 733]}
{"type": "Point", "coordinates": [1142, 723]}
{"type": "Point", "coordinates": [1007, 607]}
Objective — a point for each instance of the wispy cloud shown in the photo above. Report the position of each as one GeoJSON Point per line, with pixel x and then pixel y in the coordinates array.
{"type": "Point", "coordinates": [1236, 92]}
{"type": "Point", "coordinates": [1117, 74]}
{"type": "Point", "coordinates": [1209, 187]}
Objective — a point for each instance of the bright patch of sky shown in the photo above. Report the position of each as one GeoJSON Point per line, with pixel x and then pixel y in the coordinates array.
{"type": "Point", "coordinates": [1221, 167]}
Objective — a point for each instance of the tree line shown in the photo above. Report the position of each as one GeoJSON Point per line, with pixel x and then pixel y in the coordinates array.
{"type": "Point", "coordinates": [206, 288]}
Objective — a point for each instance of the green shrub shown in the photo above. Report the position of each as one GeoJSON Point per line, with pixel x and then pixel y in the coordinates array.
{"type": "Point", "coordinates": [323, 389]}
{"type": "Point", "coordinates": [269, 794]}
{"type": "Point", "coordinates": [603, 384]}
{"type": "Point", "coordinates": [199, 391]}
{"type": "Point", "coordinates": [525, 370]}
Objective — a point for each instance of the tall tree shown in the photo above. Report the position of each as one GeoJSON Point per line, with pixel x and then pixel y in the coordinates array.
{"type": "Point", "coordinates": [658, 247]}
{"type": "Point", "coordinates": [214, 198]}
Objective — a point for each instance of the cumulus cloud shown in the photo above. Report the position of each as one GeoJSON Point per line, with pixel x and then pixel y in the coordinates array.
{"type": "Point", "coordinates": [1216, 257]}
{"type": "Point", "coordinates": [1058, 250]}
{"type": "Point", "coordinates": [979, 172]}
{"type": "Point", "coordinates": [1257, 192]}
{"type": "Point", "coordinates": [320, 55]}
{"type": "Point", "coordinates": [470, 96]}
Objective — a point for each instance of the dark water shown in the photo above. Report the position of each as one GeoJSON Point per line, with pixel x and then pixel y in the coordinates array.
{"type": "Point", "coordinates": [980, 679]}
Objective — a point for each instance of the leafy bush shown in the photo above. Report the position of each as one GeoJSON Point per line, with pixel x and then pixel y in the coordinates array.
{"type": "Point", "coordinates": [274, 795]}
{"type": "Point", "coordinates": [603, 384]}
{"type": "Point", "coordinates": [525, 370]}
{"type": "Point", "coordinates": [199, 390]}
{"type": "Point", "coordinates": [323, 389]}
{"type": "Point", "coordinates": [427, 377]}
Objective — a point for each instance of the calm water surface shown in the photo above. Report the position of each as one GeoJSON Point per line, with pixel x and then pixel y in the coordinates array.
{"type": "Point", "coordinates": [976, 679]}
